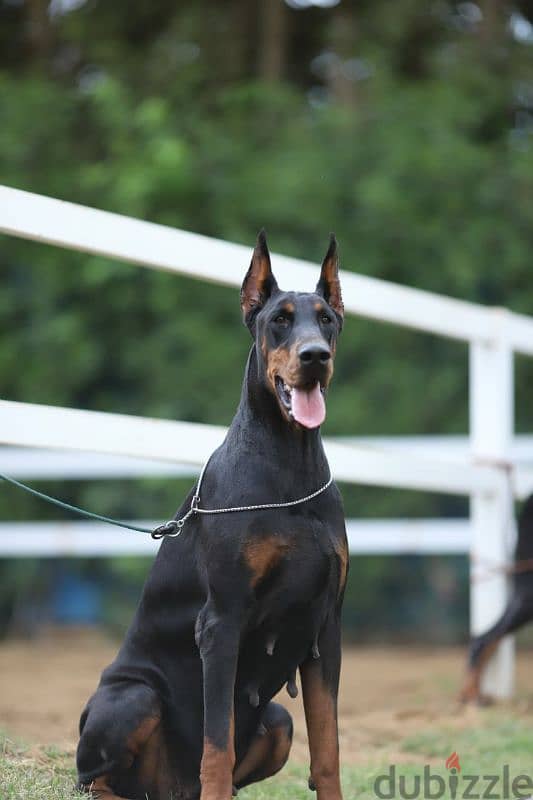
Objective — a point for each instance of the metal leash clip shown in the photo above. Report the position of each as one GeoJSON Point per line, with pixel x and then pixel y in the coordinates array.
{"type": "Point", "coordinates": [173, 526]}
{"type": "Point", "coordinates": [169, 528]}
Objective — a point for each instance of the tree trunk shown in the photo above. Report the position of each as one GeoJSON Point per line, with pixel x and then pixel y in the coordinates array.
{"type": "Point", "coordinates": [273, 39]}
{"type": "Point", "coordinates": [39, 29]}
{"type": "Point", "coordinates": [342, 37]}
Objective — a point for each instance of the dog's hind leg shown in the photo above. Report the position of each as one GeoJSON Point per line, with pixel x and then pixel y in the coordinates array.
{"type": "Point", "coordinates": [115, 727]}
{"type": "Point", "coordinates": [518, 612]}
{"type": "Point", "coordinates": [269, 749]}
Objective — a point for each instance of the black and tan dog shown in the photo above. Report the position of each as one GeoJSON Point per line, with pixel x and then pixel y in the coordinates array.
{"type": "Point", "coordinates": [518, 613]}
{"type": "Point", "coordinates": [239, 602]}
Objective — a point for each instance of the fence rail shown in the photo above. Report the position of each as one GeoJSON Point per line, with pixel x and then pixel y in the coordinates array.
{"type": "Point", "coordinates": [45, 219]}
{"type": "Point", "coordinates": [192, 443]}
{"type": "Point", "coordinates": [489, 475]}
{"type": "Point", "coordinates": [376, 536]}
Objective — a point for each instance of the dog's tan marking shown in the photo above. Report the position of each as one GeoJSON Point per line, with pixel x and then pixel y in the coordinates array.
{"type": "Point", "coordinates": [99, 789]}
{"type": "Point", "coordinates": [319, 307]}
{"type": "Point", "coordinates": [262, 556]}
{"type": "Point", "coordinates": [141, 734]}
{"type": "Point", "coordinates": [256, 282]}
{"type": "Point", "coordinates": [329, 280]}
{"type": "Point", "coordinates": [155, 774]}
{"type": "Point", "coordinates": [289, 308]}
{"type": "Point", "coordinates": [280, 361]}
{"type": "Point", "coordinates": [216, 771]}
{"type": "Point", "coordinates": [470, 692]}
{"type": "Point", "coordinates": [267, 754]}
{"type": "Point", "coordinates": [321, 719]}
{"type": "Point", "coordinates": [341, 550]}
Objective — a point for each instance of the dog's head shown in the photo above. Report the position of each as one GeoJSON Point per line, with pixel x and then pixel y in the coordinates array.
{"type": "Point", "coordinates": [295, 334]}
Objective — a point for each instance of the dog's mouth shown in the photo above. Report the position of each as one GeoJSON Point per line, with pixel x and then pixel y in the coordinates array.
{"type": "Point", "coordinates": [305, 405]}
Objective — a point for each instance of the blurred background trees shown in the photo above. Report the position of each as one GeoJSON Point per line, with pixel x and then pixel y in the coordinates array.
{"type": "Point", "coordinates": [406, 127]}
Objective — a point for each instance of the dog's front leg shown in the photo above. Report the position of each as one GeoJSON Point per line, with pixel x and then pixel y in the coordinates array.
{"type": "Point", "coordinates": [217, 636]}
{"type": "Point", "coordinates": [320, 685]}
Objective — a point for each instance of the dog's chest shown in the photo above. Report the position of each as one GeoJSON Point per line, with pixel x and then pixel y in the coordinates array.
{"type": "Point", "coordinates": [292, 566]}
{"type": "Point", "coordinates": [296, 577]}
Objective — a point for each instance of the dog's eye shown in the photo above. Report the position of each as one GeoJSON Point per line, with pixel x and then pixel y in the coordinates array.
{"type": "Point", "coordinates": [325, 319]}
{"type": "Point", "coordinates": [281, 319]}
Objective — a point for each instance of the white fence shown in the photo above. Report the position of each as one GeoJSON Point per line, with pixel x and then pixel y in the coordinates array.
{"type": "Point", "coordinates": [483, 471]}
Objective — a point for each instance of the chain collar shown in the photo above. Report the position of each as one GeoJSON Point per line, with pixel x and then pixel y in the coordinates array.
{"type": "Point", "coordinates": [174, 527]}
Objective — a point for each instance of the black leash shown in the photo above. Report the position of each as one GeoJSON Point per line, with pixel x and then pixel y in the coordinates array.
{"type": "Point", "coordinates": [75, 509]}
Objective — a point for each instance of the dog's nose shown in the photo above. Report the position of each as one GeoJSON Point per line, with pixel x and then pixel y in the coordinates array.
{"type": "Point", "coordinates": [314, 354]}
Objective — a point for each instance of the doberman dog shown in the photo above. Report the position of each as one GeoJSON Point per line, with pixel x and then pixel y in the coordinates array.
{"type": "Point", "coordinates": [518, 613]}
{"type": "Point", "coordinates": [239, 602]}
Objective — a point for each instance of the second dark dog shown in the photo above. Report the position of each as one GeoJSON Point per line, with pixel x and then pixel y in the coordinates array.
{"type": "Point", "coordinates": [518, 613]}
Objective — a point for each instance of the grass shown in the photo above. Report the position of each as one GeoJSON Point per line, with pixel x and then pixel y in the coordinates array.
{"type": "Point", "coordinates": [497, 739]}
{"type": "Point", "coordinates": [35, 774]}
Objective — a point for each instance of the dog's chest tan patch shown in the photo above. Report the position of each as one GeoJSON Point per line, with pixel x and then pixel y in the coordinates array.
{"type": "Point", "coordinates": [263, 555]}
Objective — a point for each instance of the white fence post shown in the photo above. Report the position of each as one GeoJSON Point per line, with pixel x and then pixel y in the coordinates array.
{"type": "Point", "coordinates": [492, 513]}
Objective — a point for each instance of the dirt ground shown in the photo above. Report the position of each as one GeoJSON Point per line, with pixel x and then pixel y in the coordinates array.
{"type": "Point", "coordinates": [386, 693]}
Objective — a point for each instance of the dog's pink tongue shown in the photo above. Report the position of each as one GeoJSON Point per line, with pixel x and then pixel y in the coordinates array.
{"type": "Point", "coordinates": [308, 407]}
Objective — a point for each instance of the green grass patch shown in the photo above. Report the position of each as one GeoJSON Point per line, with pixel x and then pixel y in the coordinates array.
{"type": "Point", "coordinates": [483, 748]}
{"type": "Point", "coordinates": [25, 774]}
{"type": "Point", "coordinates": [497, 740]}
{"type": "Point", "coordinates": [291, 784]}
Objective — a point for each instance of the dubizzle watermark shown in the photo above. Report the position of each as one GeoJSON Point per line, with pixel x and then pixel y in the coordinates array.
{"type": "Point", "coordinates": [499, 785]}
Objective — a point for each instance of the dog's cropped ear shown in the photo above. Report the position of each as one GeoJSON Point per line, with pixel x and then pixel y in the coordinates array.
{"type": "Point", "coordinates": [328, 285]}
{"type": "Point", "coordinates": [259, 283]}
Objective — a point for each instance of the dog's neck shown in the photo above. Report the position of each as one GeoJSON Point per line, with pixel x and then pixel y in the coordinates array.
{"type": "Point", "coordinates": [260, 427]}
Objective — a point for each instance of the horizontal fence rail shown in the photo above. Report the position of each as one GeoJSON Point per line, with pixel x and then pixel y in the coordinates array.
{"type": "Point", "coordinates": [365, 537]}
{"type": "Point", "coordinates": [452, 447]}
{"type": "Point", "coordinates": [27, 462]}
{"type": "Point", "coordinates": [52, 221]}
{"type": "Point", "coordinates": [192, 443]}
